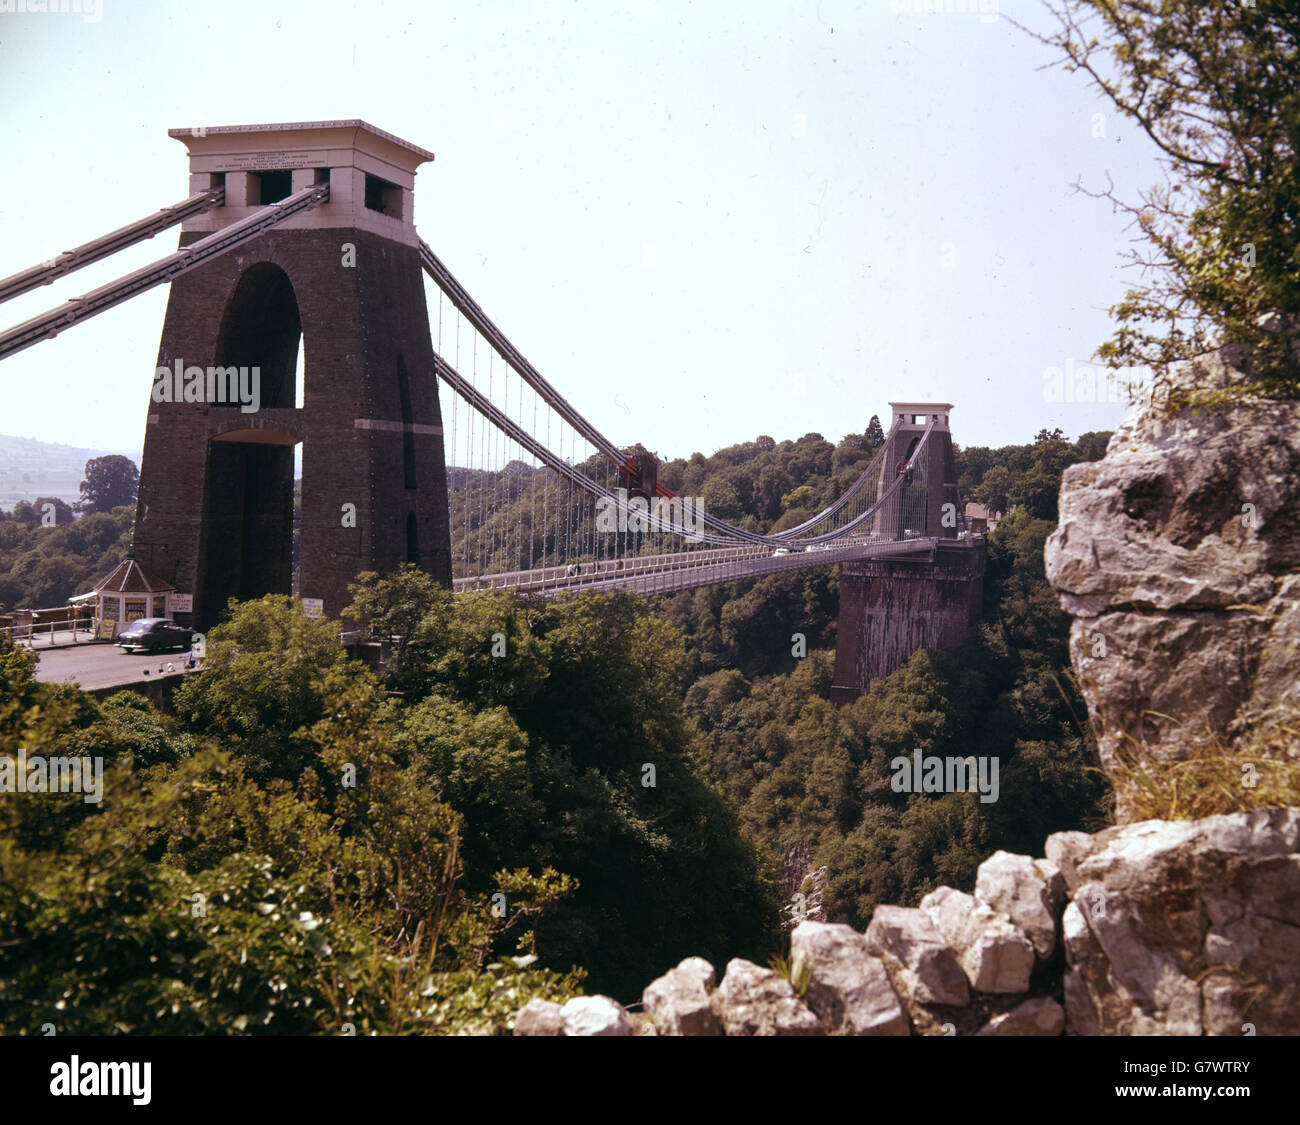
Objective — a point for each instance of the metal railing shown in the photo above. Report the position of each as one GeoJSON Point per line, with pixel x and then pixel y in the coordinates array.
{"type": "Point", "coordinates": [76, 630]}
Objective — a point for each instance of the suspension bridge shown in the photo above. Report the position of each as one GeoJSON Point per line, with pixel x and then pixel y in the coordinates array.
{"type": "Point", "coordinates": [426, 435]}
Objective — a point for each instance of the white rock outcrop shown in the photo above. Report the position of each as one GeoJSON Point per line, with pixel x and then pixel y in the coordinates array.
{"type": "Point", "coordinates": [994, 952]}
{"type": "Point", "coordinates": [1014, 885]}
{"type": "Point", "coordinates": [849, 989]}
{"type": "Point", "coordinates": [906, 939]}
{"type": "Point", "coordinates": [595, 1015]}
{"type": "Point", "coordinates": [1178, 555]}
{"type": "Point", "coordinates": [1039, 1016]}
{"type": "Point", "coordinates": [752, 1000]}
{"type": "Point", "coordinates": [1171, 928]}
{"type": "Point", "coordinates": [540, 1017]}
{"type": "Point", "coordinates": [680, 1000]}
{"type": "Point", "coordinates": [1184, 927]}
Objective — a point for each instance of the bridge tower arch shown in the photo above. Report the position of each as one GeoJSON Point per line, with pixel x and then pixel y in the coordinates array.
{"type": "Point", "coordinates": [343, 283]}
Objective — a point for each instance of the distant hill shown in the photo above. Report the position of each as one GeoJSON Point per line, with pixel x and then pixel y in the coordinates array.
{"type": "Point", "coordinates": [31, 468]}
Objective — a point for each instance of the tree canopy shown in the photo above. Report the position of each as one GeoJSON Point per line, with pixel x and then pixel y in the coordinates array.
{"type": "Point", "coordinates": [111, 481]}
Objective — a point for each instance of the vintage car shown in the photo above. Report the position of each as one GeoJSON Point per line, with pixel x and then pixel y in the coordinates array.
{"type": "Point", "coordinates": [153, 634]}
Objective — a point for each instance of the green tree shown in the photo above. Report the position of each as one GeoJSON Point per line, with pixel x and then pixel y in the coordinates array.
{"type": "Point", "coordinates": [110, 482]}
{"type": "Point", "coordinates": [993, 489]}
{"type": "Point", "coordinates": [557, 729]}
{"type": "Point", "coordinates": [478, 762]}
{"type": "Point", "coordinates": [271, 670]}
{"type": "Point", "coordinates": [52, 512]}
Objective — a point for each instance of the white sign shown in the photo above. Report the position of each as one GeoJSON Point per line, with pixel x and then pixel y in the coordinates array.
{"type": "Point", "coordinates": [314, 607]}
{"type": "Point", "coordinates": [181, 603]}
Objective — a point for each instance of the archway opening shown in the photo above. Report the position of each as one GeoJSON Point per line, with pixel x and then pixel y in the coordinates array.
{"type": "Point", "coordinates": [247, 541]}
{"type": "Point", "coordinates": [912, 496]}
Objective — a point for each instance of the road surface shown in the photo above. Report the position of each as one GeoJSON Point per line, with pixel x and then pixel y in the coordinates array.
{"type": "Point", "coordinates": [105, 665]}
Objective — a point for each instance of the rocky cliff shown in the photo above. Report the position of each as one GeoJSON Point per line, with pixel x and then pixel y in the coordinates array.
{"type": "Point", "coordinates": [1178, 555]}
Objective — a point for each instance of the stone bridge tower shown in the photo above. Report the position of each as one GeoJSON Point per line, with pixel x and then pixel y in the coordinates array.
{"type": "Point", "coordinates": [928, 598]}
{"type": "Point", "coordinates": [337, 293]}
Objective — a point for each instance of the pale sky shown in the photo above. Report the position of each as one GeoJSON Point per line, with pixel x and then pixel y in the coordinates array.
{"type": "Point", "coordinates": [701, 221]}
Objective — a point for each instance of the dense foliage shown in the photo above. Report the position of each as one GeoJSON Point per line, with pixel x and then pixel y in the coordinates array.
{"type": "Point", "coordinates": [205, 893]}
{"type": "Point", "coordinates": [569, 748]}
{"type": "Point", "coordinates": [813, 781]}
{"type": "Point", "coordinates": [43, 565]}
{"type": "Point", "coordinates": [525, 798]}
{"type": "Point", "coordinates": [346, 842]}
{"type": "Point", "coordinates": [47, 554]}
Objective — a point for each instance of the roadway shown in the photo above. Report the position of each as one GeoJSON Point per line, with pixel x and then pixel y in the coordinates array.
{"type": "Point", "coordinates": [103, 665]}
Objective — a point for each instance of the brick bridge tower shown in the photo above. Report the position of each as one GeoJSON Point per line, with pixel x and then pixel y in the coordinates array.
{"type": "Point", "coordinates": [892, 605]}
{"type": "Point", "coordinates": [342, 282]}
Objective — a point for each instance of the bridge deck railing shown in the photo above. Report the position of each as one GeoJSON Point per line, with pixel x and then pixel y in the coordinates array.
{"type": "Point", "coordinates": [666, 572]}
{"type": "Point", "coordinates": [77, 630]}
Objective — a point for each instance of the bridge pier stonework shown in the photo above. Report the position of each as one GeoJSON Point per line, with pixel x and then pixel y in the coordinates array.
{"type": "Point", "coordinates": [342, 281]}
{"type": "Point", "coordinates": [890, 607]}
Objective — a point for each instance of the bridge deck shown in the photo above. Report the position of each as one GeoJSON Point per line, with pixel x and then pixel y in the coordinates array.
{"type": "Point", "coordinates": [661, 574]}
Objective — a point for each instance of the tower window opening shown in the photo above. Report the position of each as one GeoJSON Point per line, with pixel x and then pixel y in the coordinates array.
{"type": "Point", "coordinates": [383, 197]}
{"type": "Point", "coordinates": [274, 186]}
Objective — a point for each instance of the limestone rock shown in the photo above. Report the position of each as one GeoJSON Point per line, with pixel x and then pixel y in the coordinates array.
{"type": "Point", "coordinates": [995, 954]}
{"type": "Point", "coordinates": [755, 1001]}
{"type": "Point", "coordinates": [1066, 850]}
{"type": "Point", "coordinates": [1012, 885]}
{"type": "Point", "coordinates": [1186, 517]}
{"type": "Point", "coordinates": [848, 989]}
{"type": "Point", "coordinates": [595, 1015]}
{"type": "Point", "coordinates": [679, 1000]}
{"type": "Point", "coordinates": [540, 1017]}
{"type": "Point", "coordinates": [907, 940]}
{"type": "Point", "coordinates": [1092, 1001]}
{"type": "Point", "coordinates": [1187, 928]}
{"type": "Point", "coordinates": [1040, 1016]}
